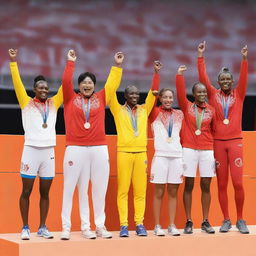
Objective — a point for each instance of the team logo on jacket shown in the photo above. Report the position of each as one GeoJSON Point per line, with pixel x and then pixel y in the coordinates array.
{"type": "Point", "coordinates": [70, 163]}
{"type": "Point", "coordinates": [24, 167]}
{"type": "Point", "coordinates": [239, 162]}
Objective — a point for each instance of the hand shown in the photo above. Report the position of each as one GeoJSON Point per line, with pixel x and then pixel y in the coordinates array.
{"type": "Point", "coordinates": [244, 52]}
{"type": "Point", "coordinates": [155, 93]}
{"type": "Point", "coordinates": [181, 69]}
{"type": "Point", "coordinates": [71, 55]}
{"type": "Point", "coordinates": [13, 54]}
{"type": "Point", "coordinates": [201, 49]}
{"type": "Point", "coordinates": [119, 58]}
{"type": "Point", "coordinates": [157, 65]}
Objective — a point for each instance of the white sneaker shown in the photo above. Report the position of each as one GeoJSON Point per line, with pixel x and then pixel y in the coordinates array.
{"type": "Point", "coordinates": [44, 232]}
{"type": "Point", "coordinates": [102, 232]}
{"type": "Point", "coordinates": [65, 235]}
{"type": "Point", "coordinates": [87, 233]}
{"type": "Point", "coordinates": [25, 233]}
{"type": "Point", "coordinates": [173, 231]}
{"type": "Point", "coordinates": [158, 231]}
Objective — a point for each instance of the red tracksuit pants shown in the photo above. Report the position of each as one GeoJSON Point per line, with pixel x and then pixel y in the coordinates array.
{"type": "Point", "coordinates": [229, 157]}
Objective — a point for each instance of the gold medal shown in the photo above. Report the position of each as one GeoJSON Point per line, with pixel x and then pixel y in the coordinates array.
{"type": "Point", "coordinates": [197, 132]}
{"type": "Point", "coordinates": [87, 125]}
{"type": "Point", "coordinates": [225, 121]}
{"type": "Point", "coordinates": [44, 125]}
{"type": "Point", "coordinates": [169, 139]}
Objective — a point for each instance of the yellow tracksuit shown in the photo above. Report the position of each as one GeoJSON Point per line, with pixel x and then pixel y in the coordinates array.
{"type": "Point", "coordinates": [131, 157]}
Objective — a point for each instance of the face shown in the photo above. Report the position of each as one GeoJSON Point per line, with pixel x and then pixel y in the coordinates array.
{"type": "Point", "coordinates": [167, 99]}
{"type": "Point", "coordinates": [86, 87]}
{"type": "Point", "coordinates": [41, 91]}
{"type": "Point", "coordinates": [225, 82]}
{"type": "Point", "coordinates": [200, 93]}
{"type": "Point", "coordinates": [132, 96]}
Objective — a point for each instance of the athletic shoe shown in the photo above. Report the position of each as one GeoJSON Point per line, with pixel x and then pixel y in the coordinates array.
{"type": "Point", "coordinates": [65, 234]}
{"type": "Point", "coordinates": [25, 233]}
{"type": "Point", "coordinates": [241, 225]}
{"type": "Point", "coordinates": [226, 226]}
{"type": "Point", "coordinates": [44, 232]}
{"type": "Point", "coordinates": [87, 233]}
{"type": "Point", "coordinates": [141, 231]}
{"type": "Point", "coordinates": [207, 227]}
{"type": "Point", "coordinates": [158, 231]}
{"type": "Point", "coordinates": [102, 232]}
{"type": "Point", "coordinates": [189, 227]}
{"type": "Point", "coordinates": [124, 231]}
{"type": "Point", "coordinates": [173, 231]}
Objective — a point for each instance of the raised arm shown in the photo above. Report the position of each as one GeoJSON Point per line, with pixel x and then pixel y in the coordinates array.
{"type": "Point", "coordinates": [243, 78]}
{"type": "Point", "coordinates": [114, 78]}
{"type": "Point", "coordinates": [19, 88]}
{"type": "Point", "coordinates": [67, 79]}
{"type": "Point", "coordinates": [181, 89]}
{"type": "Point", "coordinates": [151, 97]}
{"type": "Point", "coordinates": [203, 77]}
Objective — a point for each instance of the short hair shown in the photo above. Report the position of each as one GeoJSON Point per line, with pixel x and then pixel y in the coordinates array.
{"type": "Point", "coordinates": [224, 70]}
{"type": "Point", "coordinates": [128, 88]}
{"type": "Point", "coordinates": [37, 79]}
{"type": "Point", "coordinates": [86, 74]}
{"type": "Point", "coordinates": [162, 91]}
{"type": "Point", "coordinates": [195, 85]}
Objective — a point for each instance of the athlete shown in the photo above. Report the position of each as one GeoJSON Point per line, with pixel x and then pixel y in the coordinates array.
{"type": "Point", "coordinates": [86, 156]}
{"type": "Point", "coordinates": [197, 143]}
{"type": "Point", "coordinates": [167, 165]}
{"type": "Point", "coordinates": [228, 146]}
{"type": "Point", "coordinates": [131, 124]}
{"type": "Point", "coordinates": [39, 119]}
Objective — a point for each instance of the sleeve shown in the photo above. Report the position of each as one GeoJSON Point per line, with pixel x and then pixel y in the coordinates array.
{"type": "Point", "coordinates": [58, 98]}
{"type": "Point", "coordinates": [19, 88]}
{"type": "Point", "coordinates": [112, 84]}
{"type": "Point", "coordinates": [67, 84]}
{"type": "Point", "coordinates": [114, 105]}
{"type": "Point", "coordinates": [181, 92]}
{"type": "Point", "coordinates": [203, 77]}
{"type": "Point", "coordinates": [243, 79]}
{"type": "Point", "coordinates": [150, 100]}
{"type": "Point", "coordinates": [153, 114]}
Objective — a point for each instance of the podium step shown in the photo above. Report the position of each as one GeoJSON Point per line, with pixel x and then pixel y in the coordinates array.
{"type": "Point", "coordinates": [199, 243]}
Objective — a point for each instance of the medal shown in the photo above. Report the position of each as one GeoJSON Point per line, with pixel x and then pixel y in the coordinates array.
{"type": "Point", "coordinates": [86, 110]}
{"type": "Point", "coordinates": [225, 108]}
{"type": "Point", "coordinates": [44, 111]}
{"type": "Point", "coordinates": [169, 139]}
{"type": "Point", "coordinates": [198, 132]}
{"type": "Point", "coordinates": [225, 121]}
{"type": "Point", "coordinates": [199, 120]}
{"type": "Point", "coordinates": [134, 120]}
{"type": "Point", "coordinates": [87, 125]}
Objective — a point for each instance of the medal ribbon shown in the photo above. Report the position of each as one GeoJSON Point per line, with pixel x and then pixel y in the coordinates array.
{"type": "Point", "coordinates": [225, 106]}
{"type": "Point", "coordinates": [86, 109]}
{"type": "Point", "coordinates": [134, 119]}
{"type": "Point", "coordinates": [170, 126]}
{"type": "Point", "coordinates": [199, 117]}
{"type": "Point", "coordinates": [44, 110]}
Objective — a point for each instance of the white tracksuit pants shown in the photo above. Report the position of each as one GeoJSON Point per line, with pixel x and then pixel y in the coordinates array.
{"type": "Point", "coordinates": [81, 164]}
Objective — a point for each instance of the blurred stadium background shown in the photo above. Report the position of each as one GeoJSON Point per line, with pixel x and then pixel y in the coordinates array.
{"type": "Point", "coordinates": [44, 30]}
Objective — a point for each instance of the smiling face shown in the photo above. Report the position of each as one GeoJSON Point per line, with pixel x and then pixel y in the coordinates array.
{"type": "Point", "coordinates": [199, 93]}
{"type": "Point", "coordinates": [166, 99]}
{"type": "Point", "coordinates": [132, 95]}
{"type": "Point", "coordinates": [225, 81]}
{"type": "Point", "coordinates": [41, 90]}
{"type": "Point", "coordinates": [86, 87]}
